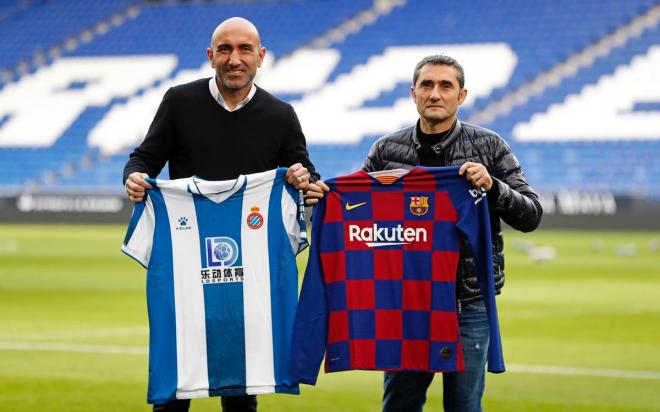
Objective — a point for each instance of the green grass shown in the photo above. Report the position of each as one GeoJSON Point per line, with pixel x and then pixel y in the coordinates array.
{"type": "Point", "coordinates": [588, 308]}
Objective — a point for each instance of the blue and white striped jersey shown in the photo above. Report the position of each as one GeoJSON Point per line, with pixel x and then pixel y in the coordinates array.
{"type": "Point", "coordinates": [221, 283]}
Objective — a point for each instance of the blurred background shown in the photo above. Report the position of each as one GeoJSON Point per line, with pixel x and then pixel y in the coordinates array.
{"type": "Point", "coordinates": [573, 86]}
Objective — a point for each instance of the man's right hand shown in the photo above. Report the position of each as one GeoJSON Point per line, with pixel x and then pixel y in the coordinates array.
{"type": "Point", "coordinates": [136, 186]}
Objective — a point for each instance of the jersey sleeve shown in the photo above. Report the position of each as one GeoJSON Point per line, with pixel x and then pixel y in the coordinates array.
{"type": "Point", "coordinates": [311, 323]}
{"type": "Point", "coordinates": [474, 223]}
{"type": "Point", "coordinates": [293, 217]}
{"type": "Point", "coordinates": [139, 235]}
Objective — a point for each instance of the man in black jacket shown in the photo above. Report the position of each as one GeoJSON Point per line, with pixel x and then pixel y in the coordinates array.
{"type": "Point", "coordinates": [440, 139]}
{"type": "Point", "coordinates": [222, 127]}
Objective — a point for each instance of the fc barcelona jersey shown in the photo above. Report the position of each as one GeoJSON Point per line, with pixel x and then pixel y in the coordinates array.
{"type": "Point", "coordinates": [222, 284]}
{"type": "Point", "coordinates": [379, 291]}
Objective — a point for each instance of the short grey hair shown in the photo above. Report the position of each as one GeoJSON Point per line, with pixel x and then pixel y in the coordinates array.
{"type": "Point", "coordinates": [440, 59]}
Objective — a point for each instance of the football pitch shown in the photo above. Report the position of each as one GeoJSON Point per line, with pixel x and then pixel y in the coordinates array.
{"type": "Point", "coordinates": [581, 330]}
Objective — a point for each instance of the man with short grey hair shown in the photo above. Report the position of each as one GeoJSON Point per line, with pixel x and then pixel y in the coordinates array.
{"type": "Point", "coordinates": [440, 139]}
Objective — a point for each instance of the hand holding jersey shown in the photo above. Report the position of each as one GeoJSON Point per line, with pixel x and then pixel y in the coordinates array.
{"type": "Point", "coordinates": [477, 175]}
{"type": "Point", "coordinates": [136, 186]}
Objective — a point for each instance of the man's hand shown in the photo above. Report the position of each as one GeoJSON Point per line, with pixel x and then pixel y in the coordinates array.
{"type": "Point", "coordinates": [136, 186]}
{"type": "Point", "coordinates": [477, 175]}
{"type": "Point", "coordinates": [298, 176]}
{"type": "Point", "coordinates": [315, 192]}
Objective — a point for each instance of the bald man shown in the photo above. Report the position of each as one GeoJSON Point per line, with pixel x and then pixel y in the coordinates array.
{"type": "Point", "coordinates": [218, 128]}
{"type": "Point", "coordinates": [242, 129]}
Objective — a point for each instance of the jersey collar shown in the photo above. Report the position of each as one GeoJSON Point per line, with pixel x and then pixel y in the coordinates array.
{"type": "Point", "coordinates": [216, 191]}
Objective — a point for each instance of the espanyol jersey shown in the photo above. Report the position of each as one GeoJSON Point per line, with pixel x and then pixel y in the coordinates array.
{"type": "Point", "coordinates": [379, 291]}
{"type": "Point", "coordinates": [222, 283]}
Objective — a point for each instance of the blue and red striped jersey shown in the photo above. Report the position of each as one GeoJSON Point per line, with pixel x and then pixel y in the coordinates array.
{"type": "Point", "coordinates": [379, 291]}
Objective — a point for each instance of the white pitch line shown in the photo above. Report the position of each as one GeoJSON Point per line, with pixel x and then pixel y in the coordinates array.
{"type": "Point", "coordinates": [72, 347]}
{"type": "Point", "coordinates": [593, 372]}
{"type": "Point", "coordinates": [514, 368]}
{"type": "Point", "coordinates": [531, 314]}
{"type": "Point", "coordinates": [91, 333]}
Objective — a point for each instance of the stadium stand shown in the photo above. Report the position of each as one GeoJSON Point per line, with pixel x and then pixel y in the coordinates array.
{"type": "Point", "coordinates": [36, 26]}
{"type": "Point", "coordinates": [87, 157]}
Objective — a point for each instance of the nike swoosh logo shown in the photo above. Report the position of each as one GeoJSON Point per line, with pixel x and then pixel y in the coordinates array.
{"type": "Point", "coordinates": [351, 207]}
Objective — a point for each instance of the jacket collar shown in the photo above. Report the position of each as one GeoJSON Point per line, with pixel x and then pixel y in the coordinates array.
{"type": "Point", "coordinates": [444, 143]}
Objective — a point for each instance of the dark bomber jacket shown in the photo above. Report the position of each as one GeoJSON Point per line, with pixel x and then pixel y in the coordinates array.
{"type": "Point", "coordinates": [510, 199]}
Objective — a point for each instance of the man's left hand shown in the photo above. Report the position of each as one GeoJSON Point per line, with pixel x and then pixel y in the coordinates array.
{"type": "Point", "coordinates": [315, 192]}
{"type": "Point", "coordinates": [298, 176]}
{"type": "Point", "coordinates": [477, 175]}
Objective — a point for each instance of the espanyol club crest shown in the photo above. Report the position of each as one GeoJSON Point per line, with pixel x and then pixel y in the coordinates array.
{"type": "Point", "coordinates": [419, 205]}
{"type": "Point", "coordinates": [255, 220]}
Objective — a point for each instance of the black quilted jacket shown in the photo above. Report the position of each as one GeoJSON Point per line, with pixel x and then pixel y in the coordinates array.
{"type": "Point", "coordinates": [510, 199]}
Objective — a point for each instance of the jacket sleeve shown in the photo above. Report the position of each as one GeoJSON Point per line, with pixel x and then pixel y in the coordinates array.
{"type": "Point", "coordinates": [372, 163]}
{"type": "Point", "coordinates": [154, 151]}
{"type": "Point", "coordinates": [311, 323]}
{"type": "Point", "coordinates": [511, 196]}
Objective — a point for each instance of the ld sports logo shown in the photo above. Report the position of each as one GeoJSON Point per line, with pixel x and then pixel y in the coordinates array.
{"type": "Point", "coordinates": [222, 253]}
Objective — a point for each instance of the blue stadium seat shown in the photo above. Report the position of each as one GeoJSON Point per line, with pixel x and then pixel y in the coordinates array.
{"type": "Point", "coordinates": [45, 24]}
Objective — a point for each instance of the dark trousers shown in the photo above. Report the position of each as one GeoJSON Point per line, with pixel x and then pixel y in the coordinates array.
{"type": "Point", "coordinates": [462, 391]}
{"type": "Point", "coordinates": [247, 403]}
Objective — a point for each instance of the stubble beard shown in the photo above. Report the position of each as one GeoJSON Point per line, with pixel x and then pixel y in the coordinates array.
{"type": "Point", "coordinates": [436, 118]}
{"type": "Point", "coordinates": [232, 85]}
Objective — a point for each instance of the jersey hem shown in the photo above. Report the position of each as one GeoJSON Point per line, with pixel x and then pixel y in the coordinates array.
{"type": "Point", "coordinates": [396, 370]}
{"type": "Point", "coordinates": [206, 393]}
